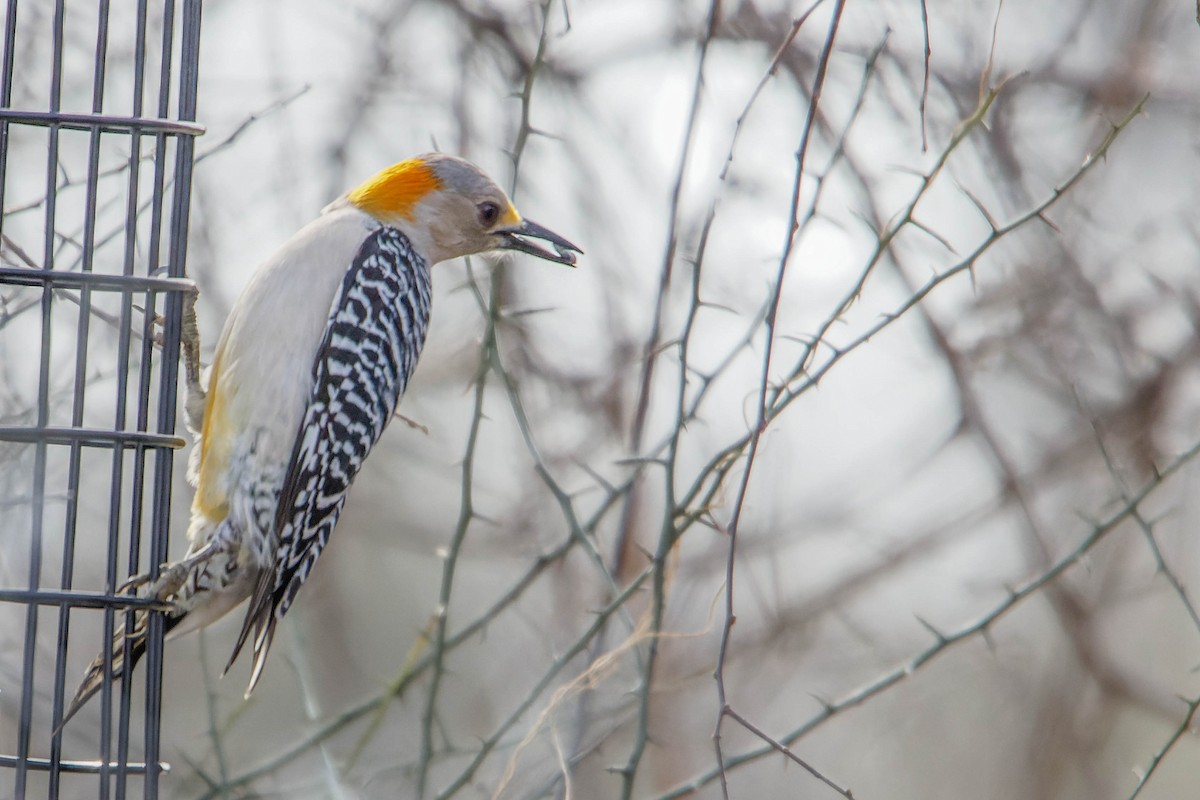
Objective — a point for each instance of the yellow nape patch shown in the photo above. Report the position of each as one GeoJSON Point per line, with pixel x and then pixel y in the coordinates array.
{"type": "Point", "coordinates": [395, 191]}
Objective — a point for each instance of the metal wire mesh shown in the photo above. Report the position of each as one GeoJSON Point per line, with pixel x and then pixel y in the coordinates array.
{"type": "Point", "coordinates": [97, 110]}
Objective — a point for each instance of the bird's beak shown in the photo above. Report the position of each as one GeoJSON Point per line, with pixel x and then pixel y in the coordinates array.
{"type": "Point", "coordinates": [517, 238]}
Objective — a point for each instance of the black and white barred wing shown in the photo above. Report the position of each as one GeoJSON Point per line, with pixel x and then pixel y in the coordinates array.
{"type": "Point", "coordinates": [374, 334]}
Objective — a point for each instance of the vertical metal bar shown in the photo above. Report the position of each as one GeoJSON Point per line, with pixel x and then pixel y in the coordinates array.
{"type": "Point", "coordinates": [147, 353]}
{"type": "Point", "coordinates": [160, 517]}
{"type": "Point", "coordinates": [6, 86]}
{"type": "Point", "coordinates": [83, 329]}
{"type": "Point", "coordinates": [124, 335]}
{"type": "Point", "coordinates": [189, 60]}
{"type": "Point", "coordinates": [157, 551]}
{"type": "Point", "coordinates": [6, 81]}
{"type": "Point", "coordinates": [10, 46]}
{"type": "Point", "coordinates": [43, 418]}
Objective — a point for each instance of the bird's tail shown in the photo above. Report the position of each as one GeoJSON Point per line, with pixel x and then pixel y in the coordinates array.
{"type": "Point", "coordinates": [128, 647]}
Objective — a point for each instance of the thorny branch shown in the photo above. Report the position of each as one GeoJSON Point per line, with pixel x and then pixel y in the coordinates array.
{"type": "Point", "coordinates": [794, 224]}
{"type": "Point", "coordinates": [945, 641]}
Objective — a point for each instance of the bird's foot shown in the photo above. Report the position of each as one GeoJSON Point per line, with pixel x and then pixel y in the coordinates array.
{"type": "Point", "coordinates": [171, 578]}
{"type": "Point", "coordinates": [163, 588]}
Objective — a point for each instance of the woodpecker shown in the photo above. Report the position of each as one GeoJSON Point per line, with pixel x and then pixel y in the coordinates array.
{"type": "Point", "coordinates": [306, 375]}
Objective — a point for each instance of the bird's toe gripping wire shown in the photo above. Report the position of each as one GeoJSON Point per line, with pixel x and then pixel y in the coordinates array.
{"type": "Point", "coordinates": [171, 578]}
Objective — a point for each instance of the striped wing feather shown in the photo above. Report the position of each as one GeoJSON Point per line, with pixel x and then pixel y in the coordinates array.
{"type": "Point", "coordinates": [376, 328]}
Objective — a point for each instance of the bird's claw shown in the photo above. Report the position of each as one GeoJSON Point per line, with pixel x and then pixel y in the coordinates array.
{"type": "Point", "coordinates": [170, 580]}
{"type": "Point", "coordinates": [133, 583]}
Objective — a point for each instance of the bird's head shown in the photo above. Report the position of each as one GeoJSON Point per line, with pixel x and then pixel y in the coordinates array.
{"type": "Point", "coordinates": [448, 208]}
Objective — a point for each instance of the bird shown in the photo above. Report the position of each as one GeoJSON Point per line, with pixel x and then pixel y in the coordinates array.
{"type": "Point", "coordinates": [307, 373]}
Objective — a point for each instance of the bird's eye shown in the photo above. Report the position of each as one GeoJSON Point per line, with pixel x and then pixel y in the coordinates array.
{"type": "Point", "coordinates": [489, 212]}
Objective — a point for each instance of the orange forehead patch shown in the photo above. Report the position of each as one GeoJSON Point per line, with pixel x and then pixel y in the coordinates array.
{"type": "Point", "coordinates": [395, 191]}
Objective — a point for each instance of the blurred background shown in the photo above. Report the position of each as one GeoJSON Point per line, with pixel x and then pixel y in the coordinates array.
{"type": "Point", "coordinates": [957, 352]}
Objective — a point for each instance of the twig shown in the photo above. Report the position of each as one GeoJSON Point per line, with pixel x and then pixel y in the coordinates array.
{"type": "Point", "coordinates": [1158, 758]}
{"type": "Point", "coordinates": [658, 601]}
{"type": "Point", "coordinates": [782, 748]}
{"type": "Point", "coordinates": [925, 78]}
{"type": "Point", "coordinates": [761, 422]}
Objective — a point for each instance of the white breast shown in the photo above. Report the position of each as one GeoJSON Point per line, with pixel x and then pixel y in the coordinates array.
{"type": "Point", "coordinates": [264, 361]}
